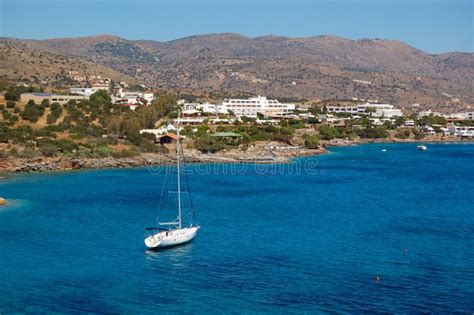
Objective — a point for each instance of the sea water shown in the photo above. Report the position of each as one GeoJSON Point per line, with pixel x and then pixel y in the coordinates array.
{"type": "Point", "coordinates": [356, 230]}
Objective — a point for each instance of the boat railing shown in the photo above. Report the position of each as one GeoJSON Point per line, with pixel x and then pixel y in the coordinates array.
{"type": "Point", "coordinates": [148, 229]}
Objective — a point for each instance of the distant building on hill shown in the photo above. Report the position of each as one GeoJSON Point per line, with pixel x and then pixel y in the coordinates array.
{"type": "Point", "coordinates": [372, 109]}
{"type": "Point", "coordinates": [461, 116]}
{"type": "Point", "coordinates": [133, 97]}
{"type": "Point", "coordinates": [425, 113]}
{"type": "Point", "coordinates": [82, 91]}
{"type": "Point", "coordinates": [52, 98]}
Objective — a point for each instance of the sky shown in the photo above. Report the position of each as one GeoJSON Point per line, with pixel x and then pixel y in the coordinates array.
{"type": "Point", "coordinates": [435, 26]}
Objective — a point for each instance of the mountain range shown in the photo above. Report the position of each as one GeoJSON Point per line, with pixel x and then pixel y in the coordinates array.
{"type": "Point", "coordinates": [311, 68]}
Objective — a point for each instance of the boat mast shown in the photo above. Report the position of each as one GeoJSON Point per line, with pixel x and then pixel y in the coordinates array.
{"type": "Point", "coordinates": [179, 172]}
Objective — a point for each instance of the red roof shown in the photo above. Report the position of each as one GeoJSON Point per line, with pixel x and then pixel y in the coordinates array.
{"type": "Point", "coordinates": [171, 135]}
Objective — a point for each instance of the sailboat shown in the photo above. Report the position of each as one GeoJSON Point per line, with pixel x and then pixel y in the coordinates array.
{"type": "Point", "coordinates": [176, 233]}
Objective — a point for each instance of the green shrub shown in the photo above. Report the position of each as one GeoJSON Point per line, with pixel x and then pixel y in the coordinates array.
{"type": "Point", "coordinates": [207, 144]}
{"type": "Point", "coordinates": [12, 94]}
{"type": "Point", "coordinates": [373, 133]}
{"type": "Point", "coordinates": [404, 134]}
{"type": "Point", "coordinates": [418, 134]}
{"type": "Point", "coordinates": [328, 132]}
{"type": "Point", "coordinates": [32, 112]}
{"type": "Point", "coordinates": [147, 145]}
{"type": "Point", "coordinates": [56, 112]}
{"type": "Point", "coordinates": [311, 141]}
{"type": "Point", "coordinates": [102, 151]}
{"type": "Point", "coordinates": [13, 152]}
{"type": "Point", "coordinates": [48, 149]}
{"type": "Point", "coordinates": [125, 153]}
{"type": "Point", "coordinates": [29, 153]}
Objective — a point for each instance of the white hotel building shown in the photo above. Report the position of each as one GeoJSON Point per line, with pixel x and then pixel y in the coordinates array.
{"type": "Point", "coordinates": [381, 110]}
{"type": "Point", "coordinates": [260, 104]}
{"type": "Point", "coordinates": [243, 107]}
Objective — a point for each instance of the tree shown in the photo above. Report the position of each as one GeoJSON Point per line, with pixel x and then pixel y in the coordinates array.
{"type": "Point", "coordinates": [100, 97]}
{"type": "Point", "coordinates": [188, 97]}
{"type": "Point", "coordinates": [311, 141]}
{"type": "Point", "coordinates": [114, 126]}
{"type": "Point", "coordinates": [164, 104]}
{"type": "Point", "coordinates": [148, 116]}
{"type": "Point", "coordinates": [56, 112]}
{"type": "Point", "coordinates": [400, 121]}
{"type": "Point", "coordinates": [12, 94]}
{"type": "Point", "coordinates": [432, 120]}
{"type": "Point", "coordinates": [207, 144]}
{"type": "Point", "coordinates": [32, 112]}
{"type": "Point", "coordinates": [418, 134]}
{"type": "Point", "coordinates": [130, 128]}
{"type": "Point", "coordinates": [370, 110]}
{"type": "Point", "coordinates": [403, 134]}
{"type": "Point", "coordinates": [49, 149]}
{"type": "Point", "coordinates": [328, 132]}
{"type": "Point", "coordinates": [373, 133]}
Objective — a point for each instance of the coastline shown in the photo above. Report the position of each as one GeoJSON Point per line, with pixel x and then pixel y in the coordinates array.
{"type": "Point", "coordinates": [57, 164]}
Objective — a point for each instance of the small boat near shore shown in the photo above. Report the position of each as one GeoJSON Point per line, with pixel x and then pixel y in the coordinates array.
{"type": "Point", "coordinates": [422, 147]}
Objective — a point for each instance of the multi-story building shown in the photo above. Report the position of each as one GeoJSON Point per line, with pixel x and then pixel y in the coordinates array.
{"type": "Point", "coordinates": [461, 116]}
{"type": "Point", "coordinates": [52, 98]}
{"type": "Point", "coordinates": [372, 109]}
{"type": "Point", "coordinates": [260, 104]}
{"type": "Point", "coordinates": [461, 131]}
{"type": "Point", "coordinates": [409, 123]}
{"type": "Point", "coordinates": [425, 113]}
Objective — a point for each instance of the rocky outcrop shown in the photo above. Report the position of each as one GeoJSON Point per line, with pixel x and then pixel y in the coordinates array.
{"type": "Point", "coordinates": [254, 155]}
{"type": "Point", "coordinates": [40, 165]}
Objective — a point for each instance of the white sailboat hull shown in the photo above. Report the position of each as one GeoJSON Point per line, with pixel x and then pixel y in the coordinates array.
{"type": "Point", "coordinates": [171, 237]}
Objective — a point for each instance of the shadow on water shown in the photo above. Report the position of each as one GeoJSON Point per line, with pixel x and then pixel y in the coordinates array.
{"type": "Point", "coordinates": [172, 251]}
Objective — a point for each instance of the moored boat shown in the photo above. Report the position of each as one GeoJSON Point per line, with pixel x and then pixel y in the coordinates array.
{"type": "Point", "coordinates": [158, 237]}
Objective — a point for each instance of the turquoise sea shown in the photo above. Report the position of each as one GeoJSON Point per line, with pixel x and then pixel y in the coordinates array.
{"type": "Point", "coordinates": [308, 237]}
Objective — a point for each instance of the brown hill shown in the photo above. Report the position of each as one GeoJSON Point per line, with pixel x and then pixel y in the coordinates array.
{"type": "Point", "coordinates": [319, 67]}
{"type": "Point", "coordinates": [21, 62]}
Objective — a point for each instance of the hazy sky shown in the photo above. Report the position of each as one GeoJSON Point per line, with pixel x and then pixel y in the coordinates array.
{"type": "Point", "coordinates": [433, 26]}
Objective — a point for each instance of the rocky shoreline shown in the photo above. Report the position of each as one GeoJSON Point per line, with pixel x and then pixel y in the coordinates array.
{"type": "Point", "coordinates": [259, 154]}
{"type": "Point", "coordinates": [46, 164]}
